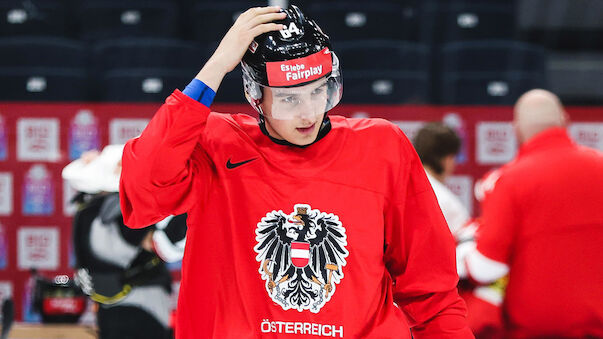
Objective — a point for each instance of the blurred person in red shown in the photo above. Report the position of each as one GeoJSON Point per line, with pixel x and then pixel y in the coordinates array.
{"type": "Point", "coordinates": [301, 224]}
{"type": "Point", "coordinates": [542, 225]}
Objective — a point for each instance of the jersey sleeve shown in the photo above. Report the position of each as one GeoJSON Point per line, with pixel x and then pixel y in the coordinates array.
{"type": "Point", "coordinates": [163, 168]}
{"type": "Point", "coordinates": [494, 238]}
{"type": "Point", "coordinates": [420, 256]}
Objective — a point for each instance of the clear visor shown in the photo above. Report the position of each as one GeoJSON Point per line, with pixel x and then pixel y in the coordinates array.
{"type": "Point", "coordinates": [300, 102]}
{"type": "Point", "coordinates": [307, 101]}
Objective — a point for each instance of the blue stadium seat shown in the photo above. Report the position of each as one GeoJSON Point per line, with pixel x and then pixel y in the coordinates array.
{"type": "Point", "coordinates": [43, 84]}
{"type": "Point", "coordinates": [562, 24]}
{"type": "Point", "coordinates": [488, 88]}
{"type": "Point", "coordinates": [141, 85]}
{"type": "Point", "coordinates": [147, 53]}
{"type": "Point", "coordinates": [490, 55]}
{"type": "Point", "coordinates": [305, 3]}
{"type": "Point", "coordinates": [488, 72]}
{"type": "Point", "coordinates": [365, 20]}
{"type": "Point", "coordinates": [382, 55]}
{"type": "Point", "coordinates": [33, 17]}
{"type": "Point", "coordinates": [576, 77]}
{"type": "Point", "coordinates": [43, 69]}
{"type": "Point", "coordinates": [42, 52]}
{"type": "Point", "coordinates": [468, 2]}
{"type": "Point", "coordinates": [135, 18]}
{"type": "Point", "coordinates": [148, 69]}
{"type": "Point", "coordinates": [457, 21]}
{"type": "Point", "coordinates": [385, 87]}
{"type": "Point", "coordinates": [209, 21]}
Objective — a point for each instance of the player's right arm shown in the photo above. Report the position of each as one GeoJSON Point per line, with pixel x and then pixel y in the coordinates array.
{"type": "Point", "coordinates": [419, 254]}
{"type": "Point", "coordinates": [158, 167]}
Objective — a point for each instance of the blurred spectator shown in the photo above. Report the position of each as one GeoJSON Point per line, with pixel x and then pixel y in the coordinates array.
{"type": "Point", "coordinates": [437, 146]}
{"type": "Point", "coordinates": [117, 266]}
{"type": "Point", "coordinates": [542, 225]}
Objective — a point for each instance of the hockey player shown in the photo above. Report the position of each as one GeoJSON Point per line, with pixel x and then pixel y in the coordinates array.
{"type": "Point", "coordinates": [304, 226]}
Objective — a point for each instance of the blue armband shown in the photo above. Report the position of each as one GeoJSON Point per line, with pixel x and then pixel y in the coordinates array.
{"type": "Point", "coordinates": [199, 91]}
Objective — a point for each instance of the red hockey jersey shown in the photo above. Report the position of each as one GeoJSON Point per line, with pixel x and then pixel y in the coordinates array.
{"type": "Point", "coordinates": [544, 220]}
{"type": "Point", "coordinates": [283, 241]}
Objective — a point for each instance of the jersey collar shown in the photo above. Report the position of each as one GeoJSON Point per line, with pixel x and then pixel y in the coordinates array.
{"type": "Point", "coordinates": [325, 127]}
{"type": "Point", "coordinates": [550, 138]}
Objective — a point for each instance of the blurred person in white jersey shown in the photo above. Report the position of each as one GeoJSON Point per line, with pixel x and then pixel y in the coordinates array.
{"type": "Point", "coordinates": [121, 269]}
{"type": "Point", "coordinates": [438, 145]}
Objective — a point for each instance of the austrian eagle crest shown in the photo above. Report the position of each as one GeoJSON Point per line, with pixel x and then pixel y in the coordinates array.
{"type": "Point", "coordinates": [301, 256]}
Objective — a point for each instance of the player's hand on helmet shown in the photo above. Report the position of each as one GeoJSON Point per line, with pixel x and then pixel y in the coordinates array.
{"type": "Point", "coordinates": [231, 49]}
{"type": "Point", "coordinates": [251, 23]}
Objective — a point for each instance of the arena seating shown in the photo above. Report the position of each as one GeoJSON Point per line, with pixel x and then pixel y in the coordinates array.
{"type": "Point", "coordinates": [561, 24]}
{"type": "Point", "coordinates": [111, 19]}
{"type": "Point", "coordinates": [406, 51]}
{"type": "Point", "coordinates": [489, 72]}
{"type": "Point", "coordinates": [147, 53]}
{"type": "Point", "coordinates": [366, 20]}
{"type": "Point", "coordinates": [387, 87]}
{"type": "Point", "coordinates": [143, 69]}
{"type": "Point", "coordinates": [384, 71]}
{"type": "Point", "coordinates": [43, 69]}
{"type": "Point", "coordinates": [139, 85]}
{"type": "Point", "coordinates": [34, 17]}
{"type": "Point", "coordinates": [453, 21]}
{"type": "Point", "coordinates": [383, 55]}
{"type": "Point", "coordinates": [577, 77]}
{"type": "Point", "coordinates": [209, 20]}
{"type": "Point", "coordinates": [487, 88]}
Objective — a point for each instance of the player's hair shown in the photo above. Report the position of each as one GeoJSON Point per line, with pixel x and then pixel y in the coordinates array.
{"type": "Point", "coordinates": [433, 142]}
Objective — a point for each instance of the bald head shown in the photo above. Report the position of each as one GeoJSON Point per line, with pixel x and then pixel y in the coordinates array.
{"type": "Point", "coordinates": [536, 111]}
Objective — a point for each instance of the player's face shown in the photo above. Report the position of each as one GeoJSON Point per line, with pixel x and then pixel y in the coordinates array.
{"type": "Point", "coordinates": [295, 114]}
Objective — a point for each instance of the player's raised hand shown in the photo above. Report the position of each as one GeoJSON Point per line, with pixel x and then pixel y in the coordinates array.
{"type": "Point", "coordinates": [230, 51]}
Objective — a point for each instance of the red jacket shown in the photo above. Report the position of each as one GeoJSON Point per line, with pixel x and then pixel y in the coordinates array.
{"type": "Point", "coordinates": [296, 242]}
{"type": "Point", "coordinates": [544, 220]}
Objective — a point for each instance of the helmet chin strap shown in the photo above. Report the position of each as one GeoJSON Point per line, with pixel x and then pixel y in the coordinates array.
{"type": "Point", "coordinates": [325, 127]}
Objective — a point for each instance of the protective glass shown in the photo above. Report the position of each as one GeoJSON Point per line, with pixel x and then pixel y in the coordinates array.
{"type": "Point", "coordinates": [313, 99]}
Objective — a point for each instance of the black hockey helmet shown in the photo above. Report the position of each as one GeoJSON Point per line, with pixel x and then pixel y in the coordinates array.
{"type": "Point", "coordinates": [291, 58]}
